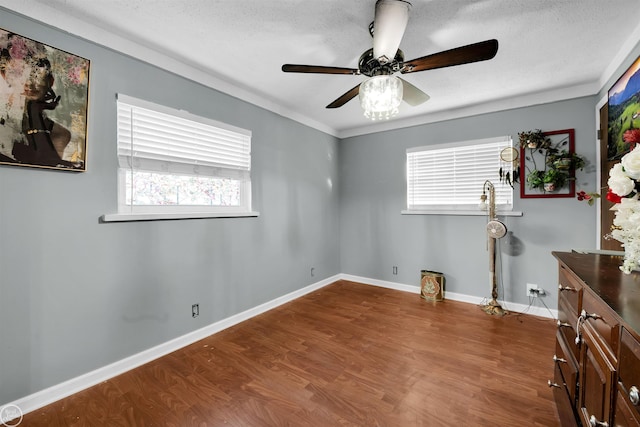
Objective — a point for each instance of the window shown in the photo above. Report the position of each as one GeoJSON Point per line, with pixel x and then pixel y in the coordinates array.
{"type": "Point", "coordinates": [451, 176]}
{"type": "Point", "coordinates": [173, 162]}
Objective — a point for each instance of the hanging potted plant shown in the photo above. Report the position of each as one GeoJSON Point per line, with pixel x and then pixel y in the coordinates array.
{"type": "Point", "coordinates": [554, 179]}
{"type": "Point", "coordinates": [533, 139]}
{"type": "Point", "coordinates": [564, 160]}
{"type": "Point", "coordinates": [535, 179]}
{"type": "Point", "coordinates": [562, 163]}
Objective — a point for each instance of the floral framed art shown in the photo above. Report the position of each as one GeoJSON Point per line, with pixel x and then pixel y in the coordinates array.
{"type": "Point", "coordinates": [44, 94]}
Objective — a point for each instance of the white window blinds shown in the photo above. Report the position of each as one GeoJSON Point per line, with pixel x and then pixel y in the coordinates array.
{"type": "Point", "coordinates": [156, 138]}
{"type": "Point", "coordinates": [451, 176]}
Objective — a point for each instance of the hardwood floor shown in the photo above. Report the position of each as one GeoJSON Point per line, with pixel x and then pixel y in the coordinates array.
{"type": "Point", "coordinates": [345, 355]}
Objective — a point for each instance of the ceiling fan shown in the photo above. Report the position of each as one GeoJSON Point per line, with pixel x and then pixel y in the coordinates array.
{"type": "Point", "coordinates": [381, 94]}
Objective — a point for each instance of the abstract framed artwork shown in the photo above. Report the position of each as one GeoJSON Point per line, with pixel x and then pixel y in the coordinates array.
{"type": "Point", "coordinates": [44, 95]}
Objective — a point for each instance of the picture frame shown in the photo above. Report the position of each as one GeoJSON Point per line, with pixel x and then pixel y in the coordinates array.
{"type": "Point", "coordinates": [623, 116]}
{"type": "Point", "coordinates": [535, 161]}
{"type": "Point", "coordinates": [44, 100]}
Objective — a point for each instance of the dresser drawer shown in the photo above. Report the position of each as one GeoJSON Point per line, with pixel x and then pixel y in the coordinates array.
{"type": "Point", "coordinates": [567, 321]}
{"type": "Point", "coordinates": [629, 371]}
{"type": "Point", "coordinates": [570, 290]}
{"type": "Point", "coordinates": [564, 404]}
{"type": "Point", "coordinates": [624, 415]}
{"type": "Point", "coordinates": [603, 320]}
{"type": "Point", "coordinates": [568, 365]}
{"type": "Point", "coordinates": [597, 380]}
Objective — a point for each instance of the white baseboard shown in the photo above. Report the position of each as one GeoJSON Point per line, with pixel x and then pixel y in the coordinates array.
{"type": "Point", "coordinates": [510, 306]}
{"type": "Point", "coordinates": [54, 393]}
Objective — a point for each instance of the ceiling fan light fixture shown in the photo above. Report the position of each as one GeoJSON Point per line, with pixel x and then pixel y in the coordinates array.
{"type": "Point", "coordinates": [380, 97]}
{"type": "Point", "coordinates": [381, 94]}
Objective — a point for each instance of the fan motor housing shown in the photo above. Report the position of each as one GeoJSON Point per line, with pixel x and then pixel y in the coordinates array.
{"type": "Point", "coordinates": [370, 66]}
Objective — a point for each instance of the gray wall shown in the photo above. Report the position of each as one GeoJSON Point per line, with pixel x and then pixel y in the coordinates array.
{"type": "Point", "coordinates": [76, 295]}
{"type": "Point", "coordinates": [375, 236]}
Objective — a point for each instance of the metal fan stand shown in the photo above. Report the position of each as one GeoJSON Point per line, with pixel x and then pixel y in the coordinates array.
{"type": "Point", "coordinates": [495, 230]}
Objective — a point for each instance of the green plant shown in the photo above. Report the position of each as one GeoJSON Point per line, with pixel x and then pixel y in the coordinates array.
{"type": "Point", "coordinates": [562, 159]}
{"type": "Point", "coordinates": [534, 179]}
{"type": "Point", "coordinates": [558, 178]}
{"type": "Point", "coordinates": [550, 179]}
{"type": "Point", "coordinates": [578, 162]}
{"type": "Point", "coordinates": [533, 139]}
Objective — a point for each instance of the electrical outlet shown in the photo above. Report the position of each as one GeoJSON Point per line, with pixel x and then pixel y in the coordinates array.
{"type": "Point", "coordinates": [195, 310]}
{"type": "Point", "coordinates": [534, 291]}
{"type": "Point", "coordinates": [313, 271]}
{"type": "Point", "coordinates": [395, 270]}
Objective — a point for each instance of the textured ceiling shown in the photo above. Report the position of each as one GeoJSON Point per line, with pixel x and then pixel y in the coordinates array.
{"type": "Point", "coordinates": [549, 49]}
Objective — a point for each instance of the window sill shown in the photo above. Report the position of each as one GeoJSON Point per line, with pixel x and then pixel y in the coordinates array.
{"type": "Point", "coordinates": [168, 216]}
{"type": "Point", "coordinates": [465, 213]}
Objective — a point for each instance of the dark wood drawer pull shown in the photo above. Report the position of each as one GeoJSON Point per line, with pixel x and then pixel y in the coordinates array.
{"type": "Point", "coordinates": [634, 395]}
{"type": "Point", "coordinates": [552, 384]}
{"type": "Point", "coordinates": [559, 359]}
{"type": "Point", "coordinates": [566, 288]}
{"type": "Point", "coordinates": [586, 315]}
{"type": "Point", "coordinates": [593, 422]}
{"type": "Point", "coordinates": [563, 324]}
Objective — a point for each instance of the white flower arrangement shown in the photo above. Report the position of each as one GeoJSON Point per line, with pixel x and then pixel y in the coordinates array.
{"type": "Point", "coordinates": [624, 191]}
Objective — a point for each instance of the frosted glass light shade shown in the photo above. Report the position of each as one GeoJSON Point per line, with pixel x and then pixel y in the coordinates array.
{"type": "Point", "coordinates": [380, 97]}
{"type": "Point", "coordinates": [483, 206]}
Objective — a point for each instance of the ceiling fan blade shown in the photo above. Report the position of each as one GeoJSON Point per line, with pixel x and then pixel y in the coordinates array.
{"type": "Point", "coordinates": [346, 97]}
{"type": "Point", "coordinates": [389, 23]}
{"type": "Point", "coordinates": [412, 95]}
{"type": "Point", "coordinates": [295, 68]}
{"type": "Point", "coordinates": [461, 55]}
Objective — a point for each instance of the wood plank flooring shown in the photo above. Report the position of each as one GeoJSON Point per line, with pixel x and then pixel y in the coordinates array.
{"type": "Point", "coordinates": [346, 355]}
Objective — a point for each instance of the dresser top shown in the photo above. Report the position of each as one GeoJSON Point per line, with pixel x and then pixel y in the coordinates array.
{"type": "Point", "coordinates": [602, 274]}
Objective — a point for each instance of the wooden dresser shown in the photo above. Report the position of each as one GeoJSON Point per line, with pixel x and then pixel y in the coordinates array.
{"type": "Point", "coordinates": [597, 356]}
